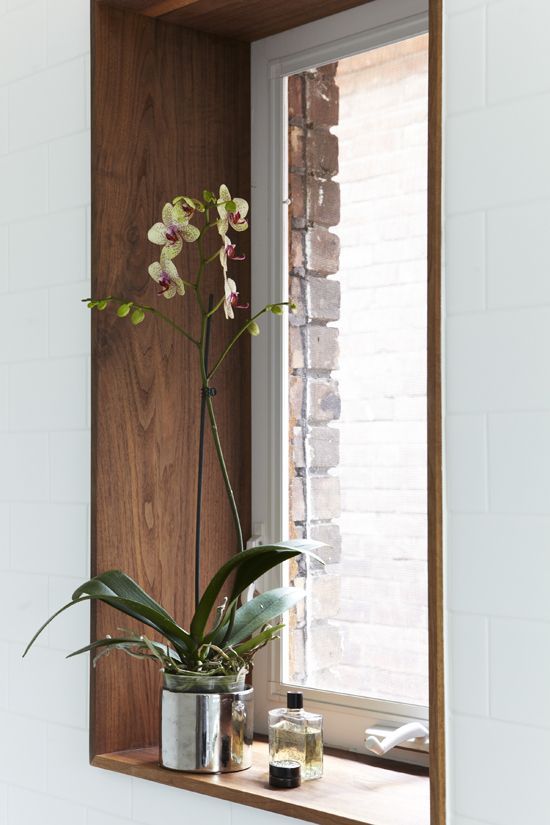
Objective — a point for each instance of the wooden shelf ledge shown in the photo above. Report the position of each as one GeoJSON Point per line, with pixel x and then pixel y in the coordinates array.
{"type": "Point", "coordinates": [350, 792]}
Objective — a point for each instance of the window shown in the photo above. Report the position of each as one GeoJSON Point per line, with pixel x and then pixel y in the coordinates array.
{"type": "Point", "coordinates": [340, 144]}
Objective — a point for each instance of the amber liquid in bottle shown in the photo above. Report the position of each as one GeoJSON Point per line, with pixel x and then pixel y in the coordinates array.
{"type": "Point", "coordinates": [296, 735]}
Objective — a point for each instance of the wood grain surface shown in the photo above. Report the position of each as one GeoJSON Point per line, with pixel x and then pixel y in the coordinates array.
{"type": "Point", "coordinates": [241, 19]}
{"type": "Point", "coordinates": [435, 479]}
{"type": "Point", "coordinates": [350, 792]}
{"type": "Point", "coordinates": [170, 115]}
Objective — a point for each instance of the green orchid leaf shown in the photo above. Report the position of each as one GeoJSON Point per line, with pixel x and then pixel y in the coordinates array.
{"type": "Point", "coordinates": [249, 566]}
{"type": "Point", "coordinates": [117, 583]}
{"type": "Point", "coordinates": [124, 643]}
{"type": "Point", "coordinates": [258, 641]}
{"type": "Point", "coordinates": [258, 612]}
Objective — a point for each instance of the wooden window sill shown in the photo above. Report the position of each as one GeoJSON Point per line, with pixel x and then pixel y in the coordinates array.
{"type": "Point", "coordinates": [350, 792]}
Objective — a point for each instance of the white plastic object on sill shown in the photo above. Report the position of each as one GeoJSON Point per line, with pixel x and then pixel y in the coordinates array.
{"type": "Point", "coordinates": [414, 735]}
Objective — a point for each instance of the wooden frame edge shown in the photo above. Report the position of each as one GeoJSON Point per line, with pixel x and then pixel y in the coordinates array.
{"type": "Point", "coordinates": [435, 440]}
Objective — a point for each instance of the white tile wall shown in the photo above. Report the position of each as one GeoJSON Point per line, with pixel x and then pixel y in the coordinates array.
{"type": "Point", "coordinates": [497, 549]}
{"type": "Point", "coordinates": [497, 293]}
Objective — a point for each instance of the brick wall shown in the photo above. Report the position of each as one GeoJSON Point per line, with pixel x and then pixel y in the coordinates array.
{"type": "Point", "coordinates": [358, 135]}
{"type": "Point", "coordinates": [314, 357]}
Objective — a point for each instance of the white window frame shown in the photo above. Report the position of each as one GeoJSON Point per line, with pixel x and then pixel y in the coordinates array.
{"type": "Point", "coordinates": [372, 25]}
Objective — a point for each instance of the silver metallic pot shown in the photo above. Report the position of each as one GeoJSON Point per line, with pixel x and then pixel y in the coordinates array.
{"type": "Point", "coordinates": [207, 726]}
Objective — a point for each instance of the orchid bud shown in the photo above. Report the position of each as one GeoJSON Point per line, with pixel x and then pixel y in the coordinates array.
{"type": "Point", "coordinates": [276, 309]}
{"type": "Point", "coordinates": [253, 328]}
{"type": "Point", "coordinates": [124, 310]}
{"type": "Point", "coordinates": [101, 305]}
{"type": "Point", "coordinates": [293, 306]}
{"type": "Point", "coordinates": [137, 316]}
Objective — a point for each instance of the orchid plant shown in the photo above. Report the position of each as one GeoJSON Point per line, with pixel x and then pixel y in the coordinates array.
{"type": "Point", "coordinates": [225, 644]}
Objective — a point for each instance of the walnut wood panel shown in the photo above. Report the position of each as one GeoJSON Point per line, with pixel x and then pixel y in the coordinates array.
{"type": "Point", "coordinates": [350, 792]}
{"type": "Point", "coordinates": [435, 495]}
{"type": "Point", "coordinates": [242, 19]}
{"type": "Point", "coordinates": [170, 116]}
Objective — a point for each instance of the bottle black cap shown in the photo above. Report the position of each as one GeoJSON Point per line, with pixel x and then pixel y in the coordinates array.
{"type": "Point", "coordinates": [294, 700]}
{"type": "Point", "coordinates": [285, 774]}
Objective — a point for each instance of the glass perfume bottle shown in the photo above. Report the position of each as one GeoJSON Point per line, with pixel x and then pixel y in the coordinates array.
{"type": "Point", "coordinates": [297, 736]}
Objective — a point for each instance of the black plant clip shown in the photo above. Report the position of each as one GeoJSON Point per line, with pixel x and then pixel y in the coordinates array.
{"type": "Point", "coordinates": [208, 392]}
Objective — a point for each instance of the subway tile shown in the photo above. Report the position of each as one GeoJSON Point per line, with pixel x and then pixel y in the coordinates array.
{"type": "Point", "coordinates": [468, 664]}
{"type": "Point", "coordinates": [518, 28]}
{"type": "Point", "coordinates": [23, 606]}
{"type": "Point", "coordinates": [492, 172]}
{"type": "Point", "coordinates": [518, 256]}
{"type": "Point", "coordinates": [23, 55]}
{"type": "Point", "coordinates": [100, 818]}
{"type": "Point", "coordinates": [465, 78]}
{"type": "Point", "coordinates": [69, 160]}
{"type": "Point", "coordinates": [492, 363]}
{"type": "Point", "coordinates": [23, 751]}
{"type": "Point", "coordinates": [70, 776]}
{"type": "Point", "coordinates": [152, 803]}
{"type": "Point", "coordinates": [67, 16]}
{"type": "Point", "coordinates": [465, 263]}
{"type": "Point", "coordinates": [23, 173]}
{"type": "Point", "coordinates": [26, 807]}
{"type": "Point", "coordinates": [519, 470]}
{"type": "Point", "coordinates": [242, 815]}
{"type": "Point", "coordinates": [4, 397]}
{"type": "Point", "coordinates": [69, 320]}
{"type": "Point", "coordinates": [4, 535]}
{"type": "Point", "coordinates": [70, 466]}
{"type": "Point", "coordinates": [458, 6]}
{"type": "Point", "coordinates": [499, 565]}
{"type": "Point", "coordinates": [25, 468]}
{"type": "Point", "coordinates": [4, 258]}
{"type": "Point", "coordinates": [57, 254]}
{"type": "Point", "coordinates": [48, 395]}
{"type": "Point", "coordinates": [60, 693]}
{"type": "Point", "coordinates": [520, 671]}
{"type": "Point", "coordinates": [4, 120]}
{"type": "Point", "coordinates": [466, 462]}
{"type": "Point", "coordinates": [3, 785]}
{"type": "Point", "coordinates": [24, 330]}
{"type": "Point", "coordinates": [4, 679]}
{"type": "Point", "coordinates": [49, 538]}
{"type": "Point", "coordinates": [496, 767]}
{"type": "Point", "coordinates": [47, 106]}
{"type": "Point", "coordinates": [71, 630]}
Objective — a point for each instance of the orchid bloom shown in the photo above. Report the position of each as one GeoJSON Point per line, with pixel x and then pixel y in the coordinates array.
{"type": "Point", "coordinates": [231, 298]}
{"type": "Point", "coordinates": [174, 229]}
{"type": "Point", "coordinates": [166, 276]}
{"type": "Point", "coordinates": [235, 219]}
{"type": "Point", "coordinates": [229, 250]}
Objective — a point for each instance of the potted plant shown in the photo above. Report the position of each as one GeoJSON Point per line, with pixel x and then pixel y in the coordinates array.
{"type": "Point", "coordinates": [206, 706]}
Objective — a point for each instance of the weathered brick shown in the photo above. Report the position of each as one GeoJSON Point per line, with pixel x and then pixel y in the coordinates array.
{"type": "Point", "coordinates": [296, 148]}
{"type": "Point", "coordinates": [297, 500]}
{"type": "Point", "coordinates": [325, 645]}
{"type": "Point", "coordinates": [295, 98]}
{"type": "Point", "coordinates": [323, 349]}
{"type": "Point", "coordinates": [324, 400]}
{"type": "Point", "coordinates": [324, 496]}
{"type": "Point", "coordinates": [322, 100]}
{"type": "Point", "coordinates": [298, 452]}
{"type": "Point", "coordinates": [297, 289]}
{"type": "Point", "coordinates": [323, 447]}
{"type": "Point", "coordinates": [296, 251]}
{"type": "Point", "coordinates": [325, 590]}
{"type": "Point", "coordinates": [323, 202]}
{"type": "Point", "coordinates": [296, 354]}
{"type": "Point", "coordinates": [296, 399]}
{"type": "Point", "coordinates": [331, 537]}
{"type": "Point", "coordinates": [322, 249]}
{"type": "Point", "coordinates": [297, 195]}
{"type": "Point", "coordinates": [321, 153]}
{"type": "Point", "coordinates": [324, 298]}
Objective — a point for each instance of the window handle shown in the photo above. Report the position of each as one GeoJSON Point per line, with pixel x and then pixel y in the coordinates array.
{"type": "Point", "coordinates": [254, 541]}
{"type": "Point", "coordinates": [380, 746]}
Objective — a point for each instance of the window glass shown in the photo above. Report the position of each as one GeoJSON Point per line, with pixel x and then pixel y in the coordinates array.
{"type": "Point", "coordinates": [357, 372]}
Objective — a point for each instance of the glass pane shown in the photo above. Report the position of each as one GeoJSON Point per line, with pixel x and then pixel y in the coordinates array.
{"type": "Point", "coordinates": [357, 180]}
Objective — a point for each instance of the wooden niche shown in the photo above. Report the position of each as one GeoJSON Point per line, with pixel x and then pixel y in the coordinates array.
{"type": "Point", "coordinates": [171, 115]}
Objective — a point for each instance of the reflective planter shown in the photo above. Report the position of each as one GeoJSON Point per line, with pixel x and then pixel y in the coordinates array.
{"type": "Point", "coordinates": [207, 724]}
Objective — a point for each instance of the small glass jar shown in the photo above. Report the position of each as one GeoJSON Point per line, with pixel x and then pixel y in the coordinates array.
{"type": "Point", "coordinates": [296, 735]}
